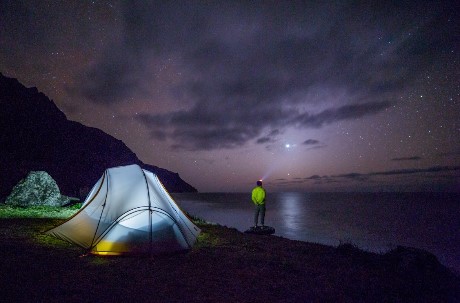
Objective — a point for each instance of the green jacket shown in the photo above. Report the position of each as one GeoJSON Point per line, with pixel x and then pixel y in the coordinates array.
{"type": "Point", "coordinates": [258, 195]}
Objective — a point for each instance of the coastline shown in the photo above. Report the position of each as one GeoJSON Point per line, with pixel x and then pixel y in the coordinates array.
{"type": "Point", "coordinates": [375, 222]}
{"type": "Point", "coordinates": [225, 265]}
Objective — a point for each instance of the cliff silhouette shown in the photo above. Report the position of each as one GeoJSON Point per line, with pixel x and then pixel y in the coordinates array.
{"type": "Point", "coordinates": [36, 135]}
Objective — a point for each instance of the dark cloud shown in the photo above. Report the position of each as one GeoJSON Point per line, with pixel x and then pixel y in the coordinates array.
{"type": "Point", "coordinates": [263, 140]}
{"type": "Point", "coordinates": [414, 158]}
{"type": "Point", "coordinates": [313, 144]}
{"type": "Point", "coordinates": [111, 80]}
{"type": "Point", "coordinates": [341, 113]}
{"type": "Point", "coordinates": [251, 66]}
{"type": "Point", "coordinates": [437, 171]}
{"type": "Point", "coordinates": [434, 169]}
{"type": "Point", "coordinates": [274, 133]}
{"type": "Point", "coordinates": [310, 142]}
{"type": "Point", "coordinates": [354, 176]}
{"type": "Point", "coordinates": [270, 138]}
{"type": "Point", "coordinates": [206, 127]}
{"type": "Point", "coordinates": [410, 171]}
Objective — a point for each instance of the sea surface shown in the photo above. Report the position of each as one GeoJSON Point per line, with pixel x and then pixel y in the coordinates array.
{"type": "Point", "coordinates": [375, 222]}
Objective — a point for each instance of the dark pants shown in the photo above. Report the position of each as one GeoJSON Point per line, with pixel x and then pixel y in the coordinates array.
{"type": "Point", "coordinates": [259, 209]}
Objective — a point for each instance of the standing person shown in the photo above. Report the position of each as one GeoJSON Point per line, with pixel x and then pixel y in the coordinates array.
{"type": "Point", "coordinates": [258, 197]}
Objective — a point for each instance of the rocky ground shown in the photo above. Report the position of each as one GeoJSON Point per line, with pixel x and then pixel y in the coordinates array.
{"type": "Point", "coordinates": [224, 266]}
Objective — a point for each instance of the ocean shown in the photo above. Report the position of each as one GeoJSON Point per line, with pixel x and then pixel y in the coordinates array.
{"type": "Point", "coordinates": [375, 222]}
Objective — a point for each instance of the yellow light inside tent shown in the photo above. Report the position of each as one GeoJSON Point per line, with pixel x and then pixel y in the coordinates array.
{"type": "Point", "coordinates": [109, 248]}
{"type": "Point", "coordinates": [106, 253]}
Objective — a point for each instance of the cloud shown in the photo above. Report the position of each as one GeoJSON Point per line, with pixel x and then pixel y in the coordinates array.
{"type": "Point", "coordinates": [310, 142]}
{"type": "Point", "coordinates": [247, 67]}
{"type": "Point", "coordinates": [437, 172]}
{"type": "Point", "coordinates": [314, 177]}
{"type": "Point", "coordinates": [206, 127]}
{"type": "Point", "coordinates": [111, 80]}
{"type": "Point", "coordinates": [313, 144]}
{"type": "Point", "coordinates": [269, 138]}
{"type": "Point", "coordinates": [414, 158]}
{"type": "Point", "coordinates": [341, 113]}
{"type": "Point", "coordinates": [434, 169]}
{"type": "Point", "coordinates": [354, 176]}
{"type": "Point", "coordinates": [263, 140]}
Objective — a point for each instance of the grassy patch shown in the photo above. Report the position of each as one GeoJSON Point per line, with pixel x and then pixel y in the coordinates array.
{"type": "Point", "coordinates": [205, 239]}
{"type": "Point", "coordinates": [8, 211]}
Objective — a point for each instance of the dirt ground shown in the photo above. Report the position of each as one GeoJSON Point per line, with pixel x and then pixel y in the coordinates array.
{"type": "Point", "coordinates": [224, 266]}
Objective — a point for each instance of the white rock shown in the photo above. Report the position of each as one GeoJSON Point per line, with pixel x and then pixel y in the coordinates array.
{"type": "Point", "coordinates": [38, 188]}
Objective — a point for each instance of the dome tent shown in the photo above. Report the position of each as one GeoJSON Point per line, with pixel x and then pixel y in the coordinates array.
{"type": "Point", "coordinates": [128, 211]}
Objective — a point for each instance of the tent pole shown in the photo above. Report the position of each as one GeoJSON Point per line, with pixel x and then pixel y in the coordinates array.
{"type": "Point", "coordinates": [102, 211]}
{"type": "Point", "coordinates": [150, 215]}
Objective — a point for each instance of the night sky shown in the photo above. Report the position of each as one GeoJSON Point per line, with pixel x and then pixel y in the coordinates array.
{"type": "Point", "coordinates": [315, 97]}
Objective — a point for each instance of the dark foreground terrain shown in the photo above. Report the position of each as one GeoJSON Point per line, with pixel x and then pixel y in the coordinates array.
{"type": "Point", "coordinates": [224, 266]}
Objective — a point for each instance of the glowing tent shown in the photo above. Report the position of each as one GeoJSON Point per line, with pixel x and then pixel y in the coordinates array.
{"type": "Point", "coordinates": [128, 211]}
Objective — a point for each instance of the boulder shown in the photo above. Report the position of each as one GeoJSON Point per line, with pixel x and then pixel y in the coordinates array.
{"type": "Point", "coordinates": [38, 188]}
